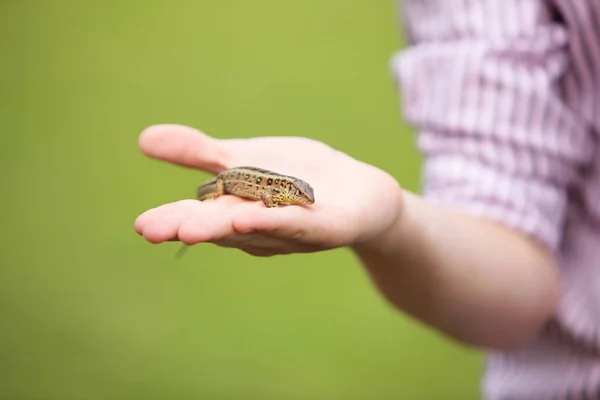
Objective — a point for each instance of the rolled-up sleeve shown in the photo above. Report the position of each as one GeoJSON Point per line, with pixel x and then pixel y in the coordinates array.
{"type": "Point", "coordinates": [482, 83]}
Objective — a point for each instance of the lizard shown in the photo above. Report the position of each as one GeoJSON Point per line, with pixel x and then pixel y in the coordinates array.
{"type": "Point", "coordinates": [255, 183]}
{"type": "Point", "coordinates": [258, 184]}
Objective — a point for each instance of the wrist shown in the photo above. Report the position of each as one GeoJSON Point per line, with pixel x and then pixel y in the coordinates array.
{"type": "Point", "coordinates": [392, 236]}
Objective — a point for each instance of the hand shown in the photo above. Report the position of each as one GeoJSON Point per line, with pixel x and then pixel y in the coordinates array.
{"type": "Point", "coordinates": [355, 202]}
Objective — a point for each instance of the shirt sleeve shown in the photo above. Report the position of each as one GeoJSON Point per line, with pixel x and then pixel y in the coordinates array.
{"type": "Point", "coordinates": [481, 82]}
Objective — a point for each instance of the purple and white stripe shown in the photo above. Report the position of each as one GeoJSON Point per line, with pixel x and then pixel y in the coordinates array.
{"type": "Point", "coordinates": [505, 96]}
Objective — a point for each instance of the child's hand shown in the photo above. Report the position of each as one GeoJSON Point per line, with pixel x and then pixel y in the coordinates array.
{"type": "Point", "coordinates": [354, 202]}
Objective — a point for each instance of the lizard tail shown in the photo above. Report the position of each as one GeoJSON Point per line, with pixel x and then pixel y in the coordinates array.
{"type": "Point", "coordinates": [181, 251]}
{"type": "Point", "coordinates": [207, 188]}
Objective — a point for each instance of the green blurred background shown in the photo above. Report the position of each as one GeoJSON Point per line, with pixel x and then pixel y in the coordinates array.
{"type": "Point", "coordinates": [89, 310]}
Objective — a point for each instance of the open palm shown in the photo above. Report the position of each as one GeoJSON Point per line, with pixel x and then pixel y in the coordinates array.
{"type": "Point", "coordinates": [354, 201]}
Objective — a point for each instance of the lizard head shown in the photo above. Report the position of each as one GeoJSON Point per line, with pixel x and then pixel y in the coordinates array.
{"type": "Point", "coordinates": [301, 192]}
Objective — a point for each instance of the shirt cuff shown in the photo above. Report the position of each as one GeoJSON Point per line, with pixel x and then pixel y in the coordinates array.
{"type": "Point", "coordinates": [532, 207]}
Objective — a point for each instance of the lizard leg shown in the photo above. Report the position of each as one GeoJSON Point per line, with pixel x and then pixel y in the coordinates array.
{"type": "Point", "coordinates": [209, 196]}
{"type": "Point", "coordinates": [269, 201]}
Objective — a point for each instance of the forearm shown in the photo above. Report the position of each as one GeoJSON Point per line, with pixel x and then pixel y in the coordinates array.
{"type": "Point", "coordinates": [473, 280]}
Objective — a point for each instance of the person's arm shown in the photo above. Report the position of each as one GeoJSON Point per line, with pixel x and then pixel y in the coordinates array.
{"type": "Point", "coordinates": [476, 281]}
{"type": "Point", "coordinates": [473, 257]}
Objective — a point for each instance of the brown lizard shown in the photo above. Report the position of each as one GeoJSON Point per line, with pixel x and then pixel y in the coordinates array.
{"type": "Point", "coordinates": [258, 184]}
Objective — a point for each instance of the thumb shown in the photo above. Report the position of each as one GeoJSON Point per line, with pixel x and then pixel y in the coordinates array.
{"type": "Point", "coordinates": [185, 146]}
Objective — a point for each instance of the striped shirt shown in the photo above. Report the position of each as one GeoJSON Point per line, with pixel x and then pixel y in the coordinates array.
{"type": "Point", "coordinates": [505, 98]}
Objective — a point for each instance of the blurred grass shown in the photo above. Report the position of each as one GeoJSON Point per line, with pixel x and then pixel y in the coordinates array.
{"type": "Point", "coordinates": [88, 310]}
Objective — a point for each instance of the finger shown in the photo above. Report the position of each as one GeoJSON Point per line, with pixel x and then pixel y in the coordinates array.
{"type": "Point", "coordinates": [265, 244]}
{"type": "Point", "coordinates": [185, 146]}
{"type": "Point", "coordinates": [247, 245]}
{"type": "Point", "coordinates": [290, 222]}
{"type": "Point", "coordinates": [161, 223]}
{"type": "Point", "coordinates": [153, 213]}
{"type": "Point", "coordinates": [163, 228]}
{"type": "Point", "coordinates": [192, 221]}
{"type": "Point", "coordinates": [300, 225]}
{"type": "Point", "coordinates": [257, 251]}
{"type": "Point", "coordinates": [206, 226]}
